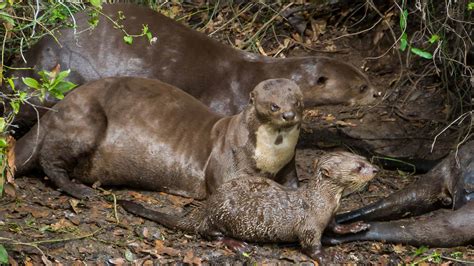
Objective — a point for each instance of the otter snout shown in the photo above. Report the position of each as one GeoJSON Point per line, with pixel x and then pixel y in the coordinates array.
{"type": "Point", "coordinates": [288, 116]}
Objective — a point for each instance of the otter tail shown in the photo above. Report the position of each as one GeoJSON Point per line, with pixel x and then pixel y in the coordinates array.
{"type": "Point", "coordinates": [27, 151]}
{"type": "Point", "coordinates": [169, 221]}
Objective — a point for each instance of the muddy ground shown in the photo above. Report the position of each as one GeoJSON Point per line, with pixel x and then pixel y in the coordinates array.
{"type": "Point", "coordinates": [40, 225]}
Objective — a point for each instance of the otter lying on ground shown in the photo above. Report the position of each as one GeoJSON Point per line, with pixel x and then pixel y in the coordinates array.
{"type": "Point", "coordinates": [216, 74]}
{"type": "Point", "coordinates": [450, 184]}
{"type": "Point", "coordinates": [257, 209]}
{"type": "Point", "coordinates": [147, 134]}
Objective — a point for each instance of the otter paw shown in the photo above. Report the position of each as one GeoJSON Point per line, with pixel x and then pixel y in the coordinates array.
{"type": "Point", "coordinates": [80, 191]}
{"type": "Point", "coordinates": [351, 228]}
{"type": "Point", "coordinates": [236, 246]}
{"type": "Point", "coordinates": [317, 254]}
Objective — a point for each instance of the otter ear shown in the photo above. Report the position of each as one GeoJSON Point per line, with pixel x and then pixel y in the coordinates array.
{"type": "Point", "coordinates": [252, 97]}
{"type": "Point", "coordinates": [325, 171]}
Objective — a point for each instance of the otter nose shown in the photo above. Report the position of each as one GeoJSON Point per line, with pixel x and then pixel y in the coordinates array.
{"type": "Point", "coordinates": [288, 116]}
{"type": "Point", "coordinates": [377, 94]}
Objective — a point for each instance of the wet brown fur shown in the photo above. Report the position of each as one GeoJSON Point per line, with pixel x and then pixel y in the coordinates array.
{"type": "Point", "coordinates": [257, 209]}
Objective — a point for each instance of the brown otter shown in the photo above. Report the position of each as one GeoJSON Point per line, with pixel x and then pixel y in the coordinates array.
{"type": "Point", "coordinates": [449, 184]}
{"type": "Point", "coordinates": [257, 209]}
{"type": "Point", "coordinates": [216, 74]}
{"type": "Point", "coordinates": [148, 134]}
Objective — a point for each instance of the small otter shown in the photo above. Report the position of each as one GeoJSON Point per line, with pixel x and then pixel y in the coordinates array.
{"type": "Point", "coordinates": [147, 134]}
{"type": "Point", "coordinates": [450, 184]}
{"type": "Point", "coordinates": [257, 209]}
{"type": "Point", "coordinates": [218, 75]}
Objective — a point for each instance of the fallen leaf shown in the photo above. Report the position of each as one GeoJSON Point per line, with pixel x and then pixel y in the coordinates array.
{"type": "Point", "coordinates": [329, 118]}
{"type": "Point", "coordinates": [191, 259]}
{"type": "Point", "coordinates": [46, 261]}
{"type": "Point", "coordinates": [9, 189]}
{"type": "Point", "coordinates": [399, 249]}
{"type": "Point", "coordinates": [177, 200]}
{"type": "Point", "coordinates": [345, 124]}
{"type": "Point", "coordinates": [28, 262]}
{"type": "Point", "coordinates": [73, 203]}
{"type": "Point", "coordinates": [117, 261]}
{"type": "Point", "coordinates": [161, 249]}
{"type": "Point", "coordinates": [61, 224]}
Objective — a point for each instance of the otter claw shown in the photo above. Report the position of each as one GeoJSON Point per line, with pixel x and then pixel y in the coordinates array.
{"type": "Point", "coordinates": [236, 246]}
{"type": "Point", "coordinates": [81, 192]}
{"type": "Point", "coordinates": [351, 228]}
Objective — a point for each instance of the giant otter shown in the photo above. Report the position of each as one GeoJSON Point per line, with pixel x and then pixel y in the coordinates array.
{"type": "Point", "coordinates": [450, 184]}
{"type": "Point", "coordinates": [148, 134]}
{"type": "Point", "coordinates": [257, 209]}
{"type": "Point", "coordinates": [216, 74]}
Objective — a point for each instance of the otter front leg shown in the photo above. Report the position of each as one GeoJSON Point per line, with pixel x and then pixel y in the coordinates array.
{"type": "Point", "coordinates": [287, 176]}
{"type": "Point", "coordinates": [310, 241]}
{"type": "Point", "coordinates": [309, 235]}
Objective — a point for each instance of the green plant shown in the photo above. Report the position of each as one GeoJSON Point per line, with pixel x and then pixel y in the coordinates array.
{"type": "Point", "coordinates": [434, 257]}
{"type": "Point", "coordinates": [404, 43]}
{"type": "Point", "coordinates": [50, 82]}
{"type": "Point", "coordinates": [3, 255]}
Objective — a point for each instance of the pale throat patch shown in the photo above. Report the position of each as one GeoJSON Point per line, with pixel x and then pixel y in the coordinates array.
{"type": "Point", "coordinates": [272, 155]}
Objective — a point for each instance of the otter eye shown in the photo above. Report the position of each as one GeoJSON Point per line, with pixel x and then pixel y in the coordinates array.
{"type": "Point", "coordinates": [274, 107]}
{"type": "Point", "coordinates": [321, 80]}
{"type": "Point", "coordinates": [363, 88]}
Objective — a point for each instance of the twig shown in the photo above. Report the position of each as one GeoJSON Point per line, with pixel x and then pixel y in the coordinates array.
{"type": "Point", "coordinates": [265, 26]}
{"type": "Point", "coordinates": [36, 12]}
{"type": "Point", "coordinates": [232, 19]}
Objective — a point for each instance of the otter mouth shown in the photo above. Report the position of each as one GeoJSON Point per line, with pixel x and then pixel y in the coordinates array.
{"type": "Point", "coordinates": [281, 123]}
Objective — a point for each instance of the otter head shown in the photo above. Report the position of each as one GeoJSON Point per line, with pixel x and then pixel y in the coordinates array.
{"type": "Point", "coordinates": [328, 81]}
{"type": "Point", "coordinates": [348, 171]}
{"type": "Point", "coordinates": [277, 102]}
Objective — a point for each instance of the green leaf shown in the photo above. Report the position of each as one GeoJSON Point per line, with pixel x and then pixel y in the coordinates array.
{"type": "Point", "coordinates": [149, 36]}
{"type": "Point", "coordinates": [3, 5]}
{"type": "Point", "coordinates": [2, 124]}
{"type": "Point", "coordinates": [12, 84]}
{"type": "Point", "coordinates": [144, 29]}
{"type": "Point", "coordinates": [22, 95]}
{"type": "Point", "coordinates": [403, 19]}
{"type": "Point", "coordinates": [31, 82]}
{"type": "Point", "coordinates": [470, 6]}
{"type": "Point", "coordinates": [96, 3]}
{"type": "Point", "coordinates": [128, 255]}
{"type": "Point", "coordinates": [15, 105]}
{"type": "Point", "coordinates": [3, 255]}
{"type": "Point", "coordinates": [62, 75]}
{"type": "Point", "coordinates": [404, 42]}
{"type": "Point", "coordinates": [419, 52]}
{"type": "Point", "coordinates": [3, 143]}
{"type": "Point", "coordinates": [128, 39]}
{"type": "Point", "coordinates": [434, 38]}
{"type": "Point", "coordinates": [420, 250]}
{"type": "Point", "coordinates": [64, 87]}
{"type": "Point", "coordinates": [7, 18]}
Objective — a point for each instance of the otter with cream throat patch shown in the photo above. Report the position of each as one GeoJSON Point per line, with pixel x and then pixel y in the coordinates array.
{"type": "Point", "coordinates": [168, 142]}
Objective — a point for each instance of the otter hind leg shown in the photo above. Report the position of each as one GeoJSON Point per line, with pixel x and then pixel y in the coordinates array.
{"type": "Point", "coordinates": [446, 228]}
{"type": "Point", "coordinates": [420, 197]}
{"type": "Point", "coordinates": [71, 135]}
